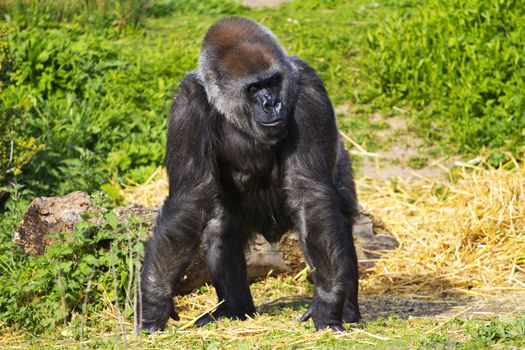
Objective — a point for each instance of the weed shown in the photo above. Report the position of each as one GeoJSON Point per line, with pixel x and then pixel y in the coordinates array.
{"type": "Point", "coordinates": [417, 162]}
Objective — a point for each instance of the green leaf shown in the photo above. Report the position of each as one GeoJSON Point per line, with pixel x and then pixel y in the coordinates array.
{"type": "Point", "coordinates": [111, 219]}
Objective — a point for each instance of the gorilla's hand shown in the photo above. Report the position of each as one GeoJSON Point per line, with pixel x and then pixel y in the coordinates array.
{"type": "Point", "coordinates": [322, 316]}
{"type": "Point", "coordinates": [151, 325]}
{"type": "Point", "coordinates": [350, 315]}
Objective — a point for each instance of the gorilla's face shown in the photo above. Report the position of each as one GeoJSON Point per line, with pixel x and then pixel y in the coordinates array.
{"type": "Point", "coordinates": [258, 103]}
{"type": "Point", "coordinates": [250, 80]}
{"type": "Point", "coordinates": [265, 106]}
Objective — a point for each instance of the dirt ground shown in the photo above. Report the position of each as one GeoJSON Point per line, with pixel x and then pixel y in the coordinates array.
{"type": "Point", "coordinates": [401, 154]}
{"type": "Point", "coordinates": [448, 307]}
{"type": "Point", "coordinates": [394, 161]}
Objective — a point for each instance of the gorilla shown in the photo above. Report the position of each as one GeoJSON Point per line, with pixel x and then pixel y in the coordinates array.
{"type": "Point", "coordinates": [252, 147]}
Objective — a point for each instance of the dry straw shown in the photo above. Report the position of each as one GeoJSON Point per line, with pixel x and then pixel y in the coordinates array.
{"type": "Point", "coordinates": [464, 235]}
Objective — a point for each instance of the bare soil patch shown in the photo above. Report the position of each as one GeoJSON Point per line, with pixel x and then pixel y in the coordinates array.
{"type": "Point", "coordinates": [405, 154]}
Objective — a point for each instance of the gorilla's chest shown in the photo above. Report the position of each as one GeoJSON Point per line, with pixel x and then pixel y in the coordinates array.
{"type": "Point", "coordinates": [254, 195]}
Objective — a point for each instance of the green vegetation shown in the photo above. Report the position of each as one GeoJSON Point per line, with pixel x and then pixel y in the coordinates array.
{"type": "Point", "coordinates": [10, 163]}
{"type": "Point", "coordinates": [87, 85]}
{"type": "Point", "coordinates": [460, 65]}
{"type": "Point", "coordinates": [42, 292]}
{"type": "Point", "coordinates": [85, 91]}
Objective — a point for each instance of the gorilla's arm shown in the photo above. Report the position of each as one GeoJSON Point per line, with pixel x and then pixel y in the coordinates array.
{"type": "Point", "coordinates": [316, 195]}
{"type": "Point", "coordinates": [183, 216]}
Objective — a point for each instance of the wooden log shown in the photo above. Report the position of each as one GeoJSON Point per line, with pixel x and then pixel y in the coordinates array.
{"type": "Point", "coordinates": [52, 214]}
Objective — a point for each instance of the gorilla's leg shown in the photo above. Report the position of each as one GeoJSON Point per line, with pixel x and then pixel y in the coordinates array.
{"type": "Point", "coordinates": [167, 255]}
{"type": "Point", "coordinates": [329, 250]}
{"type": "Point", "coordinates": [351, 313]}
{"type": "Point", "coordinates": [227, 266]}
{"type": "Point", "coordinates": [348, 203]}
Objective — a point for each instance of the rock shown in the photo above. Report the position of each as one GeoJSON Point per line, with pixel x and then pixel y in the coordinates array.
{"type": "Point", "coordinates": [60, 214]}
{"type": "Point", "coordinates": [371, 237]}
{"type": "Point", "coordinates": [47, 215]}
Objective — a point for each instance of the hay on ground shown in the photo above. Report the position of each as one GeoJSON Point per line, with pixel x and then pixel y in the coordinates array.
{"type": "Point", "coordinates": [463, 235]}
{"type": "Point", "coordinates": [466, 235]}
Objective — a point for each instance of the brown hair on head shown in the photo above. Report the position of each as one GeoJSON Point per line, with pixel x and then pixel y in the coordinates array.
{"type": "Point", "coordinates": [246, 59]}
{"type": "Point", "coordinates": [240, 47]}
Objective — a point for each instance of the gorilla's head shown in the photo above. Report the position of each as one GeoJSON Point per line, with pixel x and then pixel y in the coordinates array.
{"type": "Point", "coordinates": [249, 78]}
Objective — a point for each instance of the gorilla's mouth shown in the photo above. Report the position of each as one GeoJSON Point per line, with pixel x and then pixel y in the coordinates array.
{"type": "Point", "coordinates": [274, 122]}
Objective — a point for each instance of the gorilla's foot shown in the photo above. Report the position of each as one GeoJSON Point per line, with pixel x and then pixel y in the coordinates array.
{"type": "Point", "coordinates": [351, 314]}
{"type": "Point", "coordinates": [321, 321]}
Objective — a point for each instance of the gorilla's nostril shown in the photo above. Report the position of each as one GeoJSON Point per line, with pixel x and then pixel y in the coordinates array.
{"type": "Point", "coordinates": [270, 103]}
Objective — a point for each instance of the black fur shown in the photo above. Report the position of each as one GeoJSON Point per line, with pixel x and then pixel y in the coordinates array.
{"type": "Point", "coordinates": [231, 177]}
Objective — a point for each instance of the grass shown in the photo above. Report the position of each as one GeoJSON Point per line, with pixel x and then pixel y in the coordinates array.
{"type": "Point", "coordinates": [275, 328]}
{"type": "Point", "coordinates": [459, 65]}
{"type": "Point", "coordinates": [89, 82]}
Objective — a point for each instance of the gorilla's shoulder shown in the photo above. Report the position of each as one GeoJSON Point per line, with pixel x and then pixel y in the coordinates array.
{"type": "Point", "coordinates": [301, 65]}
{"type": "Point", "coordinates": [190, 111]}
{"type": "Point", "coordinates": [192, 86]}
{"type": "Point", "coordinates": [307, 75]}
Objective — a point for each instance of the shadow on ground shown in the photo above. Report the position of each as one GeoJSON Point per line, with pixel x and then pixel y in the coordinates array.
{"type": "Point", "coordinates": [384, 306]}
{"type": "Point", "coordinates": [372, 307]}
{"type": "Point", "coordinates": [293, 302]}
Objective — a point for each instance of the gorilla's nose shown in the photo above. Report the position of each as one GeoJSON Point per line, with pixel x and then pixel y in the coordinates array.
{"type": "Point", "coordinates": [270, 102]}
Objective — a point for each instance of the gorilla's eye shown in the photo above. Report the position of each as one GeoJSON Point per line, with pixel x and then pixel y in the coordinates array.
{"type": "Point", "coordinates": [253, 89]}
{"type": "Point", "coordinates": [275, 80]}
